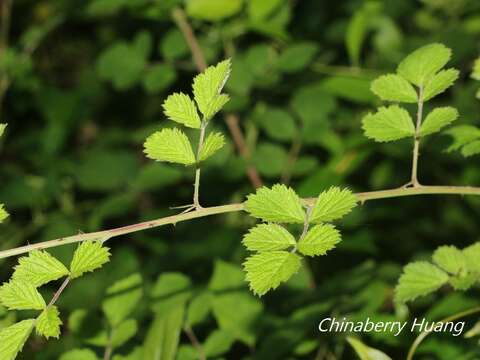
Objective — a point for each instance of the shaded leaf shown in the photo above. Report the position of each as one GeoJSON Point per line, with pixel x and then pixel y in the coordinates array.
{"type": "Point", "coordinates": [365, 352]}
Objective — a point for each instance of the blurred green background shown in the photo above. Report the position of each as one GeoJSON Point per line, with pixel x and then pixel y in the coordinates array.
{"type": "Point", "coordinates": [81, 87]}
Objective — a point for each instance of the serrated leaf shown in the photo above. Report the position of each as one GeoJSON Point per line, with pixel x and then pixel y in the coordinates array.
{"type": "Point", "coordinates": [319, 240]}
{"type": "Point", "coordinates": [89, 256]}
{"type": "Point", "coordinates": [13, 338]}
{"type": "Point", "coordinates": [266, 270]}
{"type": "Point", "coordinates": [472, 256]}
{"type": "Point", "coordinates": [48, 323]}
{"type": "Point", "coordinates": [170, 145]}
{"type": "Point", "coordinates": [388, 124]}
{"type": "Point", "coordinates": [419, 279]}
{"type": "Point", "coordinates": [122, 298]}
{"type": "Point", "coordinates": [392, 87]}
{"type": "Point", "coordinates": [21, 295]}
{"type": "Point", "coordinates": [450, 259]}
{"type": "Point", "coordinates": [423, 63]}
{"type": "Point", "coordinates": [463, 281]}
{"type": "Point", "coordinates": [39, 268]}
{"type": "Point", "coordinates": [180, 108]}
{"type": "Point", "coordinates": [439, 83]}
{"type": "Point", "coordinates": [437, 119]}
{"type": "Point", "coordinates": [365, 352]}
{"type": "Point", "coordinates": [268, 237]}
{"type": "Point", "coordinates": [207, 87]}
{"type": "Point", "coordinates": [3, 213]}
{"type": "Point", "coordinates": [332, 204]}
{"type": "Point", "coordinates": [278, 204]}
{"type": "Point", "coordinates": [213, 143]}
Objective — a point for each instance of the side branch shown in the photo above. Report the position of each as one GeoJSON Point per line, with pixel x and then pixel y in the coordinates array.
{"type": "Point", "coordinates": [214, 210]}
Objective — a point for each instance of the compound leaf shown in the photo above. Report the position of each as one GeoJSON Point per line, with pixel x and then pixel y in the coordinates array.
{"type": "Point", "coordinates": [213, 143]}
{"type": "Point", "coordinates": [423, 63]}
{"type": "Point", "coordinates": [278, 204]}
{"type": "Point", "coordinates": [89, 256]}
{"type": "Point", "coordinates": [450, 259]}
{"type": "Point", "coordinates": [266, 270]}
{"type": "Point", "coordinates": [319, 240]}
{"type": "Point", "coordinates": [437, 119]}
{"type": "Point", "coordinates": [418, 279]}
{"type": "Point", "coordinates": [21, 295]}
{"type": "Point", "coordinates": [388, 124]}
{"type": "Point", "coordinates": [180, 108]}
{"type": "Point", "coordinates": [333, 204]}
{"type": "Point", "coordinates": [48, 323]}
{"type": "Point", "coordinates": [392, 87]}
{"type": "Point", "coordinates": [170, 145]}
{"type": "Point", "coordinates": [207, 87]}
{"type": "Point", "coordinates": [13, 338]}
{"type": "Point", "coordinates": [268, 237]}
{"type": "Point", "coordinates": [439, 83]}
{"type": "Point", "coordinates": [39, 268]}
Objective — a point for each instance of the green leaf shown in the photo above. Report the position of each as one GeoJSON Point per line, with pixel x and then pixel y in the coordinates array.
{"type": "Point", "coordinates": [332, 204]}
{"type": "Point", "coordinates": [472, 256]}
{"type": "Point", "coordinates": [277, 123]}
{"type": "Point", "coordinates": [268, 237]}
{"type": "Point", "coordinates": [89, 256]}
{"type": "Point", "coordinates": [365, 352]}
{"type": "Point", "coordinates": [450, 259]}
{"type": "Point", "coordinates": [13, 338]}
{"type": "Point", "coordinates": [419, 279]}
{"type": "Point", "coordinates": [265, 271]}
{"type": "Point", "coordinates": [199, 308]}
{"type": "Point", "coordinates": [463, 281]}
{"type": "Point", "coordinates": [79, 354]}
{"type": "Point", "coordinates": [2, 129]}
{"type": "Point", "coordinates": [462, 135]}
{"type": "Point", "coordinates": [278, 204]}
{"type": "Point", "coordinates": [476, 69]}
{"type": "Point", "coordinates": [170, 145]}
{"type": "Point", "coordinates": [21, 295]}
{"type": "Point", "coordinates": [471, 149]}
{"type": "Point", "coordinates": [296, 57]}
{"type": "Point", "coordinates": [213, 10]}
{"type": "Point", "coordinates": [218, 343]}
{"type": "Point", "coordinates": [48, 323]}
{"type": "Point", "coordinates": [180, 108]}
{"type": "Point", "coordinates": [39, 268]}
{"type": "Point", "coordinates": [319, 240]}
{"type": "Point", "coordinates": [213, 143]}
{"type": "Point", "coordinates": [388, 124]}
{"type": "Point", "coordinates": [437, 119]}
{"type": "Point", "coordinates": [423, 63]}
{"type": "Point", "coordinates": [158, 77]}
{"type": "Point", "coordinates": [122, 298]}
{"type": "Point", "coordinates": [439, 83]}
{"type": "Point", "coordinates": [3, 213]}
{"type": "Point", "coordinates": [170, 291]}
{"type": "Point", "coordinates": [124, 332]}
{"type": "Point", "coordinates": [207, 87]}
{"type": "Point", "coordinates": [392, 87]}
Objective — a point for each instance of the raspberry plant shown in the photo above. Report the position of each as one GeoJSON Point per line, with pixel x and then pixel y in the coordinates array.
{"type": "Point", "coordinates": [290, 228]}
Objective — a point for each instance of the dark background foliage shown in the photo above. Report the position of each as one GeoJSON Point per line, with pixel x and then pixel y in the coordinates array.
{"type": "Point", "coordinates": [86, 83]}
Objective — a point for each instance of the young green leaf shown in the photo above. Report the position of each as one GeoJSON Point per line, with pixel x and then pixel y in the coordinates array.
{"type": "Point", "coordinates": [392, 87]}
{"type": "Point", "coordinates": [463, 281]}
{"type": "Point", "coordinates": [472, 254]}
{"type": "Point", "coordinates": [266, 270]}
{"type": "Point", "coordinates": [21, 295]}
{"type": "Point", "coordinates": [278, 204]}
{"type": "Point", "coordinates": [319, 240]}
{"type": "Point", "coordinates": [39, 268]}
{"type": "Point", "coordinates": [418, 279]}
{"type": "Point", "coordinates": [437, 119]}
{"type": "Point", "coordinates": [450, 259]}
{"type": "Point", "coordinates": [207, 87]}
{"type": "Point", "coordinates": [13, 338]}
{"type": "Point", "coordinates": [180, 108]}
{"type": "Point", "coordinates": [213, 143]}
{"type": "Point", "coordinates": [170, 145]}
{"type": "Point", "coordinates": [388, 124]}
{"type": "Point", "coordinates": [439, 83]}
{"type": "Point", "coordinates": [423, 63]}
{"type": "Point", "coordinates": [332, 204]}
{"type": "Point", "coordinates": [122, 298]}
{"type": "Point", "coordinates": [3, 213]}
{"type": "Point", "coordinates": [48, 323]}
{"type": "Point", "coordinates": [89, 256]}
{"type": "Point", "coordinates": [268, 237]}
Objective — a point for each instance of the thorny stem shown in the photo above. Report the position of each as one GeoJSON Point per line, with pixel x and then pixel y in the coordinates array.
{"type": "Point", "coordinates": [195, 343]}
{"type": "Point", "coordinates": [414, 180]}
{"type": "Point", "coordinates": [214, 210]}
{"type": "Point", "coordinates": [424, 334]}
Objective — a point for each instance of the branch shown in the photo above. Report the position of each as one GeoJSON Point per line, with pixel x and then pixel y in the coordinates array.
{"type": "Point", "coordinates": [214, 210]}
{"type": "Point", "coordinates": [232, 120]}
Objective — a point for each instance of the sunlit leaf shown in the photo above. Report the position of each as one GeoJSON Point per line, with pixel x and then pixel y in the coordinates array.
{"type": "Point", "coordinates": [439, 83]}
{"type": "Point", "coordinates": [319, 240]}
{"type": "Point", "coordinates": [21, 295]}
{"type": "Point", "coordinates": [388, 124]}
{"type": "Point", "coordinates": [393, 87]}
{"type": "Point", "coordinates": [180, 108]}
{"type": "Point", "coordinates": [48, 323]}
{"type": "Point", "coordinates": [89, 256]}
{"type": "Point", "coordinates": [212, 144]}
{"type": "Point", "coordinates": [437, 119]}
{"type": "Point", "coordinates": [13, 338]}
{"type": "Point", "coordinates": [39, 268]}
{"type": "Point", "coordinates": [268, 237]}
{"type": "Point", "coordinates": [333, 204]}
{"type": "Point", "coordinates": [170, 145]}
{"type": "Point", "coordinates": [450, 259]}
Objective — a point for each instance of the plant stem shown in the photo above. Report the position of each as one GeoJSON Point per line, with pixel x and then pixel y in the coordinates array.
{"type": "Point", "coordinates": [195, 343]}
{"type": "Point", "coordinates": [416, 144]}
{"type": "Point", "coordinates": [424, 334]}
{"type": "Point", "coordinates": [109, 348]}
{"type": "Point", "coordinates": [58, 292]}
{"type": "Point", "coordinates": [196, 189]}
{"type": "Point", "coordinates": [214, 210]}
